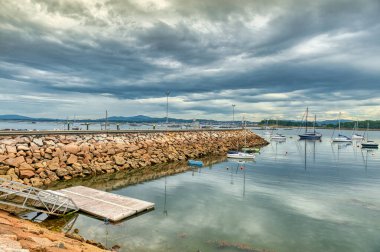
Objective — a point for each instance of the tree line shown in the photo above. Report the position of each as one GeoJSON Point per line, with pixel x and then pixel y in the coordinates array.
{"type": "Point", "coordinates": [373, 124]}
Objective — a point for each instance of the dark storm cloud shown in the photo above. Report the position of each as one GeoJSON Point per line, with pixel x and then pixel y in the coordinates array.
{"type": "Point", "coordinates": [250, 51]}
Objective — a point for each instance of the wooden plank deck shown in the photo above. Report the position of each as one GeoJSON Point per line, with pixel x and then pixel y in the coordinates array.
{"type": "Point", "coordinates": [105, 205]}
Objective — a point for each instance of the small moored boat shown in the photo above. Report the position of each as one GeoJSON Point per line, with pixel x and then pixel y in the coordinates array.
{"type": "Point", "coordinates": [310, 135]}
{"type": "Point", "coordinates": [241, 155]}
{"type": "Point", "coordinates": [195, 163]}
{"type": "Point", "coordinates": [369, 144]}
{"type": "Point", "coordinates": [278, 137]}
{"type": "Point", "coordinates": [341, 138]}
{"type": "Point", "coordinates": [250, 149]}
{"type": "Point", "coordinates": [356, 136]}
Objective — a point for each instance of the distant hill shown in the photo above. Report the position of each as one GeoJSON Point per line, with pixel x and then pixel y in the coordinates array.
{"type": "Point", "coordinates": [14, 117]}
{"type": "Point", "coordinates": [148, 119]}
{"type": "Point", "coordinates": [130, 119]}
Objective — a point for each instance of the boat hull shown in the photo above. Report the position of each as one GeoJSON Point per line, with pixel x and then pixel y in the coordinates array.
{"type": "Point", "coordinates": [370, 145]}
{"type": "Point", "coordinates": [341, 140]}
{"type": "Point", "coordinates": [310, 137]}
{"type": "Point", "coordinates": [241, 156]}
{"type": "Point", "coordinates": [357, 137]}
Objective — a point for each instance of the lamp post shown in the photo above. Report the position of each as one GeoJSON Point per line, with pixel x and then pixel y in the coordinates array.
{"type": "Point", "coordinates": [233, 114]}
{"type": "Point", "coordinates": [167, 107]}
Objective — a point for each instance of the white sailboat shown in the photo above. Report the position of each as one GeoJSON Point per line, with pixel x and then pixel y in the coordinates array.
{"type": "Point", "coordinates": [341, 138]}
{"type": "Point", "coordinates": [267, 133]}
{"type": "Point", "coordinates": [356, 136]}
{"type": "Point", "coordinates": [278, 137]}
{"type": "Point", "coordinates": [240, 155]}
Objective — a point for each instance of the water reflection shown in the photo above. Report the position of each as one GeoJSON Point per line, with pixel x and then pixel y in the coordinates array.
{"type": "Point", "coordinates": [271, 203]}
{"type": "Point", "coordinates": [165, 209]}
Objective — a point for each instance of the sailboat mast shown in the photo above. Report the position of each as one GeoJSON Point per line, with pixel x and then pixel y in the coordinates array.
{"type": "Point", "coordinates": [339, 122]}
{"type": "Point", "coordinates": [307, 113]}
{"type": "Point", "coordinates": [315, 121]}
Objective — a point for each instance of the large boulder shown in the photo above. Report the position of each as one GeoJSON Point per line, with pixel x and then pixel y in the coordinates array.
{"type": "Point", "coordinates": [11, 149]}
{"type": "Point", "coordinates": [61, 172]}
{"type": "Point", "coordinates": [71, 148]}
{"type": "Point", "coordinates": [132, 148]}
{"type": "Point", "coordinates": [53, 166]}
{"type": "Point", "coordinates": [22, 147]}
{"type": "Point", "coordinates": [77, 168]}
{"type": "Point", "coordinates": [38, 141]}
{"type": "Point", "coordinates": [26, 171]}
{"type": "Point", "coordinates": [72, 159]}
{"type": "Point", "coordinates": [26, 174]}
{"type": "Point", "coordinates": [119, 160]}
{"type": "Point", "coordinates": [3, 157]}
{"type": "Point", "coordinates": [37, 182]}
{"type": "Point", "coordinates": [15, 162]}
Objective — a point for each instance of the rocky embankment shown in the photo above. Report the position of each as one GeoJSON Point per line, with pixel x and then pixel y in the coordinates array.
{"type": "Point", "coordinates": [41, 160]}
{"type": "Point", "coordinates": [17, 235]}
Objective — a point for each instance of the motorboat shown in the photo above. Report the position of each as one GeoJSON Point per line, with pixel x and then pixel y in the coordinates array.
{"type": "Point", "coordinates": [240, 155]}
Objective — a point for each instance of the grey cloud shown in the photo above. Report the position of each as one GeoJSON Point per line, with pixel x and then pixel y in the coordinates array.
{"type": "Point", "coordinates": [119, 55]}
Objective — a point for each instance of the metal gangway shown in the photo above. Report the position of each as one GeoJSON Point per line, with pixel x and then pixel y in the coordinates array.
{"type": "Point", "coordinates": [31, 198]}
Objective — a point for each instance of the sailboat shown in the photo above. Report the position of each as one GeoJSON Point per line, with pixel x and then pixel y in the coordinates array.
{"type": "Point", "coordinates": [267, 132]}
{"type": "Point", "coordinates": [356, 136]}
{"type": "Point", "coordinates": [340, 137]}
{"type": "Point", "coordinates": [369, 144]}
{"type": "Point", "coordinates": [310, 135]}
{"type": "Point", "coordinates": [241, 155]}
{"type": "Point", "coordinates": [277, 136]}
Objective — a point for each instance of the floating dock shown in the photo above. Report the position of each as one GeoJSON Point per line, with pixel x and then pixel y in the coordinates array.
{"type": "Point", "coordinates": [105, 205]}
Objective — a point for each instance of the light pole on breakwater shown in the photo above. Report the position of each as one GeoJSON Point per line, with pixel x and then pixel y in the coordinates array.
{"type": "Point", "coordinates": [233, 114]}
{"type": "Point", "coordinates": [167, 107]}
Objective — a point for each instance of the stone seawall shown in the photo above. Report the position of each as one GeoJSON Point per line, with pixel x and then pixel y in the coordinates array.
{"type": "Point", "coordinates": [41, 160]}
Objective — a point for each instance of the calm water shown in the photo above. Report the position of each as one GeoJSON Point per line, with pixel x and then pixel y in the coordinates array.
{"type": "Point", "coordinates": [296, 196]}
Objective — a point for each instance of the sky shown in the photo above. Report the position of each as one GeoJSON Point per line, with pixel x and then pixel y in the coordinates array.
{"type": "Point", "coordinates": [271, 58]}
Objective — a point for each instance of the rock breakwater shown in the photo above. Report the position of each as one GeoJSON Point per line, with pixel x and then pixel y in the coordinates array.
{"type": "Point", "coordinates": [41, 160]}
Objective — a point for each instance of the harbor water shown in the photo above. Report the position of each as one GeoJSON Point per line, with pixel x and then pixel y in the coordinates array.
{"type": "Point", "coordinates": [296, 196]}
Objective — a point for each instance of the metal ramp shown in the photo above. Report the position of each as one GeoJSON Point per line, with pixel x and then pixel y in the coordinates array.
{"type": "Point", "coordinates": [27, 197]}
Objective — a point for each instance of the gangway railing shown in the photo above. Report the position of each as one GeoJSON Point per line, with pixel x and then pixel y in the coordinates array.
{"type": "Point", "coordinates": [16, 194]}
